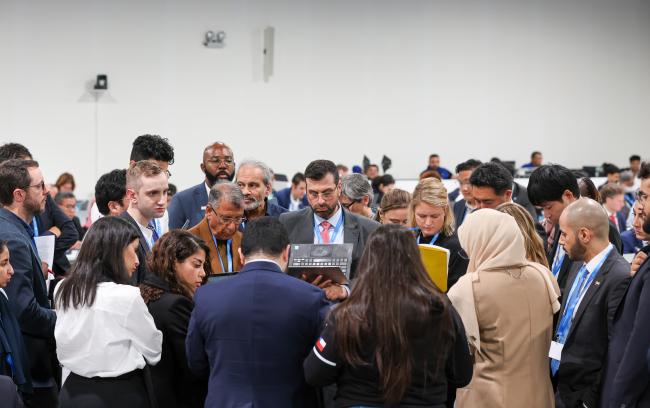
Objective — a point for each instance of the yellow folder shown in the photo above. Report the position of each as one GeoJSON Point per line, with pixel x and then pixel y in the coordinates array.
{"type": "Point", "coordinates": [436, 262]}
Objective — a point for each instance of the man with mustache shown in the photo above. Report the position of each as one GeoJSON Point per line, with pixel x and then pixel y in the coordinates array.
{"type": "Point", "coordinates": [187, 208]}
{"type": "Point", "coordinates": [627, 380]}
{"type": "Point", "coordinates": [325, 221]}
{"type": "Point", "coordinates": [23, 194]}
{"type": "Point", "coordinates": [254, 178]}
{"type": "Point", "coordinates": [146, 192]}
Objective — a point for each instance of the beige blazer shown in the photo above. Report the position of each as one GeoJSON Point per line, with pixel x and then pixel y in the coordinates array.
{"type": "Point", "coordinates": [203, 230]}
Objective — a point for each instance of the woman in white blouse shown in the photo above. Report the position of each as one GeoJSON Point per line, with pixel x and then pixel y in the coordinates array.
{"type": "Point", "coordinates": [104, 333]}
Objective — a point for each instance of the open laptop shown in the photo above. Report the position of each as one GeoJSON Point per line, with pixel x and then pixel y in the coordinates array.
{"type": "Point", "coordinates": [333, 261]}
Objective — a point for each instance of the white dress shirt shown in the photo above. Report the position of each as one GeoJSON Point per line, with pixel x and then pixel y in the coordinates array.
{"type": "Point", "coordinates": [112, 337]}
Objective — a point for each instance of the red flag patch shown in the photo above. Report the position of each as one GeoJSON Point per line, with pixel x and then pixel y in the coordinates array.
{"type": "Point", "coordinates": [320, 344]}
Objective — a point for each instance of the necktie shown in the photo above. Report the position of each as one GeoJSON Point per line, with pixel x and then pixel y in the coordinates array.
{"type": "Point", "coordinates": [152, 227]}
{"type": "Point", "coordinates": [325, 232]}
{"type": "Point", "coordinates": [612, 218]}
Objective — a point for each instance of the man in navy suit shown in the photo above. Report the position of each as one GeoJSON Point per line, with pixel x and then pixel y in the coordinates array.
{"type": "Point", "coordinates": [626, 380]}
{"type": "Point", "coordinates": [251, 333]}
{"type": "Point", "coordinates": [466, 205]}
{"type": "Point", "coordinates": [294, 198]}
{"type": "Point", "coordinates": [23, 195]}
{"type": "Point", "coordinates": [187, 208]}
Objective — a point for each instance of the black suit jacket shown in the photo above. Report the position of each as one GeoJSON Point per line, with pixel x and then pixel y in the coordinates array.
{"type": "Point", "coordinates": [520, 196]}
{"type": "Point", "coordinates": [626, 379]}
{"type": "Point", "coordinates": [300, 226]}
{"type": "Point", "coordinates": [173, 383]}
{"type": "Point", "coordinates": [143, 250]}
{"type": "Point", "coordinates": [460, 210]}
{"type": "Point", "coordinates": [52, 216]}
{"type": "Point", "coordinates": [27, 295]}
{"type": "Point", "coordinates": [458, 260]}
{"type": "Point", "coordinates": [562, 277]}
{"type": "Point", "coordinates": [585, 349]}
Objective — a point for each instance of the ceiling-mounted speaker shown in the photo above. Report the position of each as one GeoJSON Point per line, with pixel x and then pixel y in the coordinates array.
{"type": "Point", "coordinates": [268, 50]}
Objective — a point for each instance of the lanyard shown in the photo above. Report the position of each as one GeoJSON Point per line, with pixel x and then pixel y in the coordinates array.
{"type": "Point", "coordinates": [228, 254]}
{"type": "Point", "coordinates": [578, 290]}
{"type": "Point", "coordinates": [35, 226]}
{"type": "Point", "coordinates": [433, 240]}
{"type": "Point", "coordinates": [337, 229]}
{"type": "Point", "coordinates": [559, 259]}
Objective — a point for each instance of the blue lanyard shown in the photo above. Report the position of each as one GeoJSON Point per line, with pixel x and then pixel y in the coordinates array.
{"type": "Point", "coordinates": [35, 226]}
{"type": "Point", "coordinates": [228, 254]}
{"type": "Point", "coordinates": [578, 290]}
{"type": "Point", "coordinates": [433, 240]}
{"type": "Point", "coordinates": [559, 258]}
{"type": "Point", "coordinates": [337, 229]}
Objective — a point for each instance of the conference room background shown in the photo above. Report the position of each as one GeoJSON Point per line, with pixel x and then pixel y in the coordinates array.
{"type": "Point", "coordinates": [350, 77]}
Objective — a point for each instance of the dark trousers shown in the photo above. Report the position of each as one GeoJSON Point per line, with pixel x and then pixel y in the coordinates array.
{"type": "Point", "coordinates": [127, 390]}
{"type": "Point", "coordinates": [42, 398]}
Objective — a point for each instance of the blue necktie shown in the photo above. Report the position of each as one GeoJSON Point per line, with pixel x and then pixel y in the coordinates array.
{"type": "Point", "coordinates": [567, 317]}
{"type": "Point", "coordinates": [152, 227]}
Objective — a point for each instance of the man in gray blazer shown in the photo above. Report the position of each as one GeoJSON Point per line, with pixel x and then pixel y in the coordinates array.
{"type": "Point", "coordinates": [325, 221]}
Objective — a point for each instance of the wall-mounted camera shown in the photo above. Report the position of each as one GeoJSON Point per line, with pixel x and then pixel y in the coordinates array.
{"type": "Point", "coordinates": [215, 39]}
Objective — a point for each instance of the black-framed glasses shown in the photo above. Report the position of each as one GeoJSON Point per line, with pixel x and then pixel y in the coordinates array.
{"type": "Point", "coordinates": [168, 173]}
{"type": "Point", "coordinates": [641, 195]}
{"type": "Point", "coordinates": [40, 185]}
{"type": "Point", "coordinates": [350, 204]}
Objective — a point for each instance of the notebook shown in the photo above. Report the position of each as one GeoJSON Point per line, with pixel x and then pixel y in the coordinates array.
{"type": "Point", "coordinates": [436, 262]}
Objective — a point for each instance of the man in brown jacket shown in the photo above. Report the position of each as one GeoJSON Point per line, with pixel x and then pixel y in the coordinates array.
{"type": "Point", "coordinates": [219, 229]}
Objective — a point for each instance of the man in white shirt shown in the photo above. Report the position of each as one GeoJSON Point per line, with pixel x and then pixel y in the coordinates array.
{"type": "Point", "coordinates": [595, 287]}
{"type": "Point", "coordinates": [146, 191]}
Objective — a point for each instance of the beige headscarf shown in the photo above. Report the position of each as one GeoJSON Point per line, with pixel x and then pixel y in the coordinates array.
{"type": "Point", "coordinates": [493, 241]}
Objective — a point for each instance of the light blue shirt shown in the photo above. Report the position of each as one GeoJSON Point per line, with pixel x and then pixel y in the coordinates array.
{"type": "Point", "coordinates": [333, 220]}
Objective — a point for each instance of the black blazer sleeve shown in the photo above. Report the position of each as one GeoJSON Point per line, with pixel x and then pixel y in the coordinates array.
{"type": "Point", "coordinates": [458, 261]}
{"type": "Point", "coordinates": [459, 368]}
{"type": "Point", "coordinates": [53, 216]}
{"type": "Point", "coordinates": [322, 365]}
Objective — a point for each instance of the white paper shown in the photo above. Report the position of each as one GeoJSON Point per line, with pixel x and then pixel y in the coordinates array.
{"type": "Point", "coordinates": [556, 351]}
{"type": "Point", "coordinates": [45, 248]}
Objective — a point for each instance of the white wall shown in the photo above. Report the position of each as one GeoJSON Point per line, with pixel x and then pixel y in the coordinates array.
{"type": "Point", "coordinates": [404, 78]}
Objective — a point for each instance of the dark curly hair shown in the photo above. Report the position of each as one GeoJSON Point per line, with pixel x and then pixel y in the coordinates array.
{"type": "Point", "coordinates": [174, 246]}
{"type": "Point", "coordinates": [152, 147]}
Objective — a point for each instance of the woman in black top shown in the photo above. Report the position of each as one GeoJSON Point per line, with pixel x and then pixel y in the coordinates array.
{"type": "Point", "coordinates": [396, 341]}
{"type": "Point", "coordinates": [430, 215]}
{"type": "Point", "coordinates": [177, 267]}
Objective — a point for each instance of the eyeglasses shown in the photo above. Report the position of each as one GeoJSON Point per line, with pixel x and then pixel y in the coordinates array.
{"type": "Point", "coordinates": [169, 173]}
{"type": "Point", "coordinates": [641, 195]}
{"type": "Point", "coordinates": [350, 204]}
{"type": "Point", "coordinates": [225, 160]}
{"type": "Point", "coordinates": [40, 185]}
{"type": "Point", "coordinates": [227, 220]}
{"type": "Point", "coordinates": [326, 195]}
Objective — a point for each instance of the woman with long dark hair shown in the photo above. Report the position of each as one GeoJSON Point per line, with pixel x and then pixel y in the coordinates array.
{"type": "Point", "coordinates": [104, 334]}
{"type": "Point", "coordinates": [396, 340]}
{"type": "Point", "coordinates": [178, 265]}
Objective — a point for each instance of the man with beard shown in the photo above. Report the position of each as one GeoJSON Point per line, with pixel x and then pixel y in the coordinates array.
{"type": "Point", "coordinates": [626, 379]}
{"type": "Point", "coordinates": [146, 192]}
{"type": "Point", "coordinates": [325, 221]}
{"type": "Point", "coordinates": [23, 194]}
{"type": "Point", "coordinates": [254, 178]}
{"type": "Point", "coordinates": [187, 208]}
{"type": "Point", "coordinates": [597, 281]}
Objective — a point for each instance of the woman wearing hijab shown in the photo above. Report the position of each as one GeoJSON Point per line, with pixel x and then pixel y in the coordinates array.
{"type": "Point", "coordinates": [507, 304]}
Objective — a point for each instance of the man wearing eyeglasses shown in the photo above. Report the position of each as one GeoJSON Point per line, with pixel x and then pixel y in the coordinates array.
{"type": "Point", "coordinates": [220, 227]}
{"type": "Point", "coordinates": [188, 207]}
{"type": "Point", "coordinates": [23, 195]}
{"type": "Point", "coordinates": [627, 380]}
{"type": "Point", "coordinates": [326, 221]}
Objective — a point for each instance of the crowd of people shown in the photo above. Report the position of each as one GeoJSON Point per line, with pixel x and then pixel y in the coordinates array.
{"type": "Point", "coordinates": [184, 301]}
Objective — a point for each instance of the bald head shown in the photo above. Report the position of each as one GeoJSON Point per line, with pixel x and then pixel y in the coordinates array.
{"type": "Point", "coordinates": [587, 213]}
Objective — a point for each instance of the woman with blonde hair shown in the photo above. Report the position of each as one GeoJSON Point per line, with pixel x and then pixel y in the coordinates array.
{"type": "Point", "coordinates": [394, 207]}
{"type": "Point", "coordinates": [433, 221]}
{"type": "Point", "coordinates": [532, 241]}
{"type": "Point", "coordinates": [507, 304]}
